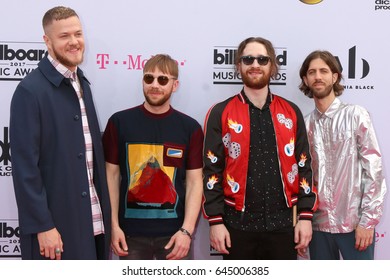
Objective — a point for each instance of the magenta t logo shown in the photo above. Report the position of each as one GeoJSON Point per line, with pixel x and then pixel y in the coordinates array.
{"type": "Point", "coordinates": [102, 60]}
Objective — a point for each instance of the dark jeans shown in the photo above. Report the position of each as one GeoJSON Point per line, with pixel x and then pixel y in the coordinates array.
{"type": "Point", "coordinates": [149, 248]}
{"type": "Point", "coordinates": [329, 246]}
{"type": "Point", "coordinates": [275, 245]}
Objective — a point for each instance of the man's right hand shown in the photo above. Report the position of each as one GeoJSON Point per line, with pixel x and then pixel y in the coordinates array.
{"type": "Point", "coordinates": [118, 242]}
{"type": "Point", "coordinates": [50, 244]}
{"type": "Point", "coordinates": [220, 238]}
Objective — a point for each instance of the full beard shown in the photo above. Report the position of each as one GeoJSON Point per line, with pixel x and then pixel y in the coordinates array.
{"type": "Point", "coordinates": [256, 83]}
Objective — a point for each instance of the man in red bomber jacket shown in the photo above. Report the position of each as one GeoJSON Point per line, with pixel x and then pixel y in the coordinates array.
{"type": "Point", "coordinates": [257, 166]}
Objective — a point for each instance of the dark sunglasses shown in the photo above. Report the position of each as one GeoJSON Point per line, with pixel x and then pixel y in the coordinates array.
{"type": "Point", "coordinates": [261, 59]}
{"type": "Point", "coordinates": [162, 80]}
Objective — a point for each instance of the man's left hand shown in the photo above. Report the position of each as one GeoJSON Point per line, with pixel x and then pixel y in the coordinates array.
{"type": "Point", "coordinates": [363, 238]}
{"type": "Point", "coordinates": [181, 243]}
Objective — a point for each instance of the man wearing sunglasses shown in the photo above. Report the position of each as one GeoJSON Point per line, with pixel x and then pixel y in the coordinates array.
{"type": "Point", "coordinates": [154, 171]}
{"type": "Point", "coordinates": [257, 166]}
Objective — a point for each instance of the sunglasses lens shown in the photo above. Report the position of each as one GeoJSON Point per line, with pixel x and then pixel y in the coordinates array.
{"type": "Point", "coordinates": [248, 60]}
{"type": "Point", "coordinates": [148, 79]}
{"type": "Point", "coordinates": [263, 60]}
{"type": "Point", "coordinates": [163, 80]}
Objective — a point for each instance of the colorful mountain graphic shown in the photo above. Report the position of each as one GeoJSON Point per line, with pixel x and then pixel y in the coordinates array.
{"type": "Point", "coordinates": [153, 186]}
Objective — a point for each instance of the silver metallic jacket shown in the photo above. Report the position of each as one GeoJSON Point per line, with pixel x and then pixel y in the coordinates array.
{"type": "Point", "coordinates": [347, 168]}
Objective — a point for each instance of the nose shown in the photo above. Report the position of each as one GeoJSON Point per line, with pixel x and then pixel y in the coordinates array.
{"type": "Point", "coordinates": [155, 83]}
{"type": "Point", "coordinates": [317, 75]}
{"type": "Point", "coordinates": [256, 63]}
{"type": "Point", "coordinates": [73, 40]}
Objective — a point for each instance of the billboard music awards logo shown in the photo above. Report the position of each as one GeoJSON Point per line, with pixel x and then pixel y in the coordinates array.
{"type": "Point", "coordinates": [129, 62]}
{"type": "Point", "coordinates": [355, 71]}
{"type": "Point", "coordinates": [9, 238]}
{"type": "Point", "coordinates": [224, 71]}
{"type": "Point", "coordinates": [382, 5]}
{"type": "Point", "coordinates": [17, 59]}
{"type": "Point", "coordinates": [5, 155]}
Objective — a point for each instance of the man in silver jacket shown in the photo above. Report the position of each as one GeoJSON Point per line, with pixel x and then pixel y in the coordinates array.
{"type": "Point", "coordinates": [347, 166]}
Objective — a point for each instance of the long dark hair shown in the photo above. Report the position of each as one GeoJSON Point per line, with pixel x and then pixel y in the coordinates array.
{"type": "Point", "coordinates": [333, 64]}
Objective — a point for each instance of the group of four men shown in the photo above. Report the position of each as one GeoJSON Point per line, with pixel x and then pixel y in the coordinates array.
{"type": "Point", "coordinates": [271, 183]}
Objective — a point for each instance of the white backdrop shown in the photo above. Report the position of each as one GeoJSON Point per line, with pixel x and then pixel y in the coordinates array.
{"type": "Point", "coordinates": [201, 35]}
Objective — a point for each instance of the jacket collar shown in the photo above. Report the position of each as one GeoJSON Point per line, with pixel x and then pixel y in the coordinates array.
{"type": "Point", "coordinates": [244, 99]}
{"type": "Point", "coordinates": [55, 77]}
{"type": "Point", "coordinates": [330, 112]}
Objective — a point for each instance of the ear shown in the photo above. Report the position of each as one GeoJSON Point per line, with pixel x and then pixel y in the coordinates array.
{"type": "Point", "coordinates": [175, 85]}
{"type": "Point", "coordinates": [238, 68]}
{"type": "Point", "coordinates": [47, 40]}
{"type": "Point", "coordinates": [305, 80]}
{"type": "Point", "coordinates": [335, 76]}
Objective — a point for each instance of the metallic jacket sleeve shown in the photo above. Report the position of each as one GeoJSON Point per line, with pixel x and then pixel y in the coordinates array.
{"type": "Point", "coordinates": [372, 180]}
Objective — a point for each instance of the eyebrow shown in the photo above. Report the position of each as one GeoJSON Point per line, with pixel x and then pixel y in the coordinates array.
{"type": "Point", "coordinates": [322, 68]}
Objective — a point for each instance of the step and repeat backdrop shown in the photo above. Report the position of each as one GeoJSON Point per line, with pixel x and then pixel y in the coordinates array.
{"type": "Point", "coordinates": [121, 35]}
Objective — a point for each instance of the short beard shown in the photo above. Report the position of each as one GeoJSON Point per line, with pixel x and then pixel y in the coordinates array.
{"type": "Point", "coordinates": [323, 94]}
{"type": "Point", "coordinates": [157, 103]}
{"type": "Point", "coordinates": [66, 62]}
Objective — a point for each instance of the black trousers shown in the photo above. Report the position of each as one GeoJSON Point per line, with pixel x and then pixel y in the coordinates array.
{"type": "Point", "coordinates": [275, 245]}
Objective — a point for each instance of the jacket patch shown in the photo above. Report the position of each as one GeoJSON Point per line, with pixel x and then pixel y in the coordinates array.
{"type": "Point", "coordinates": [212, 181]}
{"type": "Point", "coordinates": [289, 148]}
{"type": "Point", "coordinates": [235, 126]}
{"type": "Point", "coordinates": [304, 185]}
{"type": "Point", "coordinates": [212, 157]}
{"type": "Point", "coordinates": [235, 187]}
{"type": "Point", "coordinates": [302, 160]}
{"type": "Point", "coordinates": [226, 139]}
{"type": "Point", "coordinates": [286, 121]}
{"type": "Point", "coordinates": [234, 148]}
{"type": "Point", "coordinates": [292, 174]}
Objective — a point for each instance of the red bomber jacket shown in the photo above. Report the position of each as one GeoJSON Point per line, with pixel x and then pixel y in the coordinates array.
{"type": "Point", "coordinates": [226, 155]}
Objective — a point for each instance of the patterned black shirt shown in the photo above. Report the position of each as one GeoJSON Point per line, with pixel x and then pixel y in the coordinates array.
{"type": "Point", "coordinates": [265, 204]}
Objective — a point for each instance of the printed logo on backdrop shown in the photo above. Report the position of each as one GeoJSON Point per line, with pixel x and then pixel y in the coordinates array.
{"type": "Point", "coordinates": [382, 5]}
{"type": "Point", "coordinates": [130, 62]}
{"type": "Point", "coordinates": [355, 70]}
{"type": "Point", "coordinates": [311, 2]}
{"type": "Point", "coordinates": [379, 236]}
{"type": "Point", "coordinates": [5, 154]}
{"type": "Point", "coordinates": [17, 59]}
{"type": "Point", "coordinates": [224, 71]}
{"type": "Point", "coordinates": [9, 238]}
